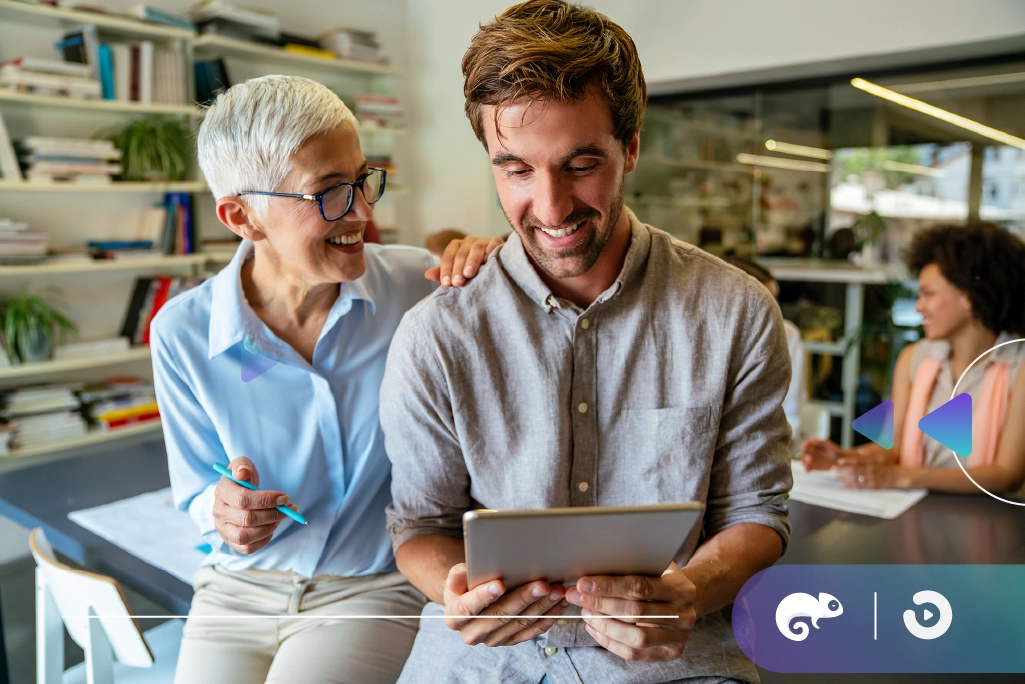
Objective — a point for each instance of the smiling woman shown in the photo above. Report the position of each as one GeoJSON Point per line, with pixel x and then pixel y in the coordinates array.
{"type": "Point", "coordinates": [273, 368]}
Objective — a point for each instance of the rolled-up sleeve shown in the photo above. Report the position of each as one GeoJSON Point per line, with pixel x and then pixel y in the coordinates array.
{"type": "Point", "coordinates": [190, 440]}
{"type": "Point", "coordinates": [430, 480]}
{"type": "Point", "coordinates": [751, 476]}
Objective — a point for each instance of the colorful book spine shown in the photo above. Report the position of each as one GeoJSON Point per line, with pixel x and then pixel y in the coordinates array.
{"type": "Point", "coordinates": [106, 72]}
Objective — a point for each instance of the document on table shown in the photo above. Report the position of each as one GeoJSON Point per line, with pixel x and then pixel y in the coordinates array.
{"type": "Point", "coordinates": [823, 488]}
{"type": "Point", "coordinates": [150, 527]}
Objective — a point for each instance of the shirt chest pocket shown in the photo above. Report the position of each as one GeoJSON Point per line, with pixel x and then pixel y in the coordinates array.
{"type": "Point", "coordinates": [671, 449]}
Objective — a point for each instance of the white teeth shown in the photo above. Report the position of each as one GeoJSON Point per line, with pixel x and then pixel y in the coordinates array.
{"type": "Point", "coordinates": [346, 239]}
{"type": "Point", "coordinates": [562, 232]}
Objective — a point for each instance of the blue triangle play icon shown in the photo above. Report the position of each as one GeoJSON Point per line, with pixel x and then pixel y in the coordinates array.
{"type": "Point", "coordinates": [951, 424]}
{"type": "Point", "coordinates": [877, 425]}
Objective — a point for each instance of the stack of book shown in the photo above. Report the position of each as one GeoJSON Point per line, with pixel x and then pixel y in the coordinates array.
{"type": "Point", "coordinates": [384, 161]}
{"type": "Point", "coordinates": [44, 414]}
{"type": "Point", "coordinates": [130, 72]}
{"type": "Point", "coordinates": [68, 159]}
{"type": "Point", "coordinates": [50, 77]}
{"type": "Point", "coordinates": [156, 15]}
{"type": "Point", "coordinates": [120, 402]}
{"type": "Point", "coordinates": [244, 23]}
{"type": "Point", "coordinates": [149, 295]}
{"type": "Point", "coordinates": [17, 245]}
{"type": "Point", "coordinates": [378, 110]}
{"type": "Point", "coordinates": [347, 43]}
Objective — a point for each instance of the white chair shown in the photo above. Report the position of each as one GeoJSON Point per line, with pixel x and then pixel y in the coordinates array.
{"type": "Point", "coordinates": [66, 597]}
{"type": "Point", "coordinates": [814, 423]}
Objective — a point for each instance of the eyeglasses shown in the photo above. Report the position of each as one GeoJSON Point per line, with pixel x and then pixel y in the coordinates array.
{"type": "Point", "coordinates": [336, 201]}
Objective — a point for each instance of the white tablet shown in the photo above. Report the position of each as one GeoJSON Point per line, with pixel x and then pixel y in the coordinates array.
{"type": "Point", "coordinates": [564, 544]}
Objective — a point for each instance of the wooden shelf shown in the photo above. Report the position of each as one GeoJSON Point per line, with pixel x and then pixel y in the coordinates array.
{"type": "Point", "coordinates": [105, 265]}
{"type": "Point", "coordinates": [115, 186]}
{"type": "Point", "coordinates": [44, 453]}
{"type": "Point", "coordinates": [56, 17]}
{"type": "Point", "coordinates": [232, 47]}
{"type": "Point", "coordinates": [39, 368]}
{"type": "Point", "coordinates": [8, 95]}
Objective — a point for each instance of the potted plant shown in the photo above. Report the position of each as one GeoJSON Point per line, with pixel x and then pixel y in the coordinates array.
{"type": "Point", "coordinates": [154, 147]}
{"type": "Point", "coordinates": [30, 324]}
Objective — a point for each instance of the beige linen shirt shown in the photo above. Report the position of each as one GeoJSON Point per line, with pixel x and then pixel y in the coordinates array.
{"type": "Point", "coordinates": [668, 388]}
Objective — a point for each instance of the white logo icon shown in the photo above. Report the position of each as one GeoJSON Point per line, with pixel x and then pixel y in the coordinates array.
{"type": "Point", "coordinates": [805, 605]}
{"type": "Point", "coordinates": [940, 602]}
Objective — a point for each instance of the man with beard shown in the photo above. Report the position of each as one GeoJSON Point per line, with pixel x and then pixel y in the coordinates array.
{"type": "Point", "coordinates": [598, 362]}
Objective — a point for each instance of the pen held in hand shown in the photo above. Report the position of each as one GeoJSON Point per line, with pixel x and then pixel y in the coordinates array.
{"type": "Point", "coordinates": [249, 485]}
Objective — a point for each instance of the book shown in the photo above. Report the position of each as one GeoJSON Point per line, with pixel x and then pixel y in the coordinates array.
{"type": "Point", "coordinates": [135, 306]}
{"type": "Point", "coordinates": [159, 16]}
{"type": "Point", "coordinates": [211, 79]}
{"type": "Point", "coordinates": [145, 71]}
{"type": "Point", "coordinates": [16, 78]}
{"type": "Point", "coordinates": [51, 66]}
{"type": "Point", "coordinates": [9, 166]}
{"type": "Point", "coordinates": [122, 57]}
{"type": "Point", "coordinates": [214, 12]}
{"type": "Point", "coordinates": [106, 71]}
{"type": "Point", "coordinates": [70, 147]}
{"type": "Point", "coordinates": [88, 350]}
{"type": "Point", "coordinates": [160, 298]}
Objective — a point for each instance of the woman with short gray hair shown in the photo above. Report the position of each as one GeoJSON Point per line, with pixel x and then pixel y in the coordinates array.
{"type": "Point", "coordinates": [272, 368]}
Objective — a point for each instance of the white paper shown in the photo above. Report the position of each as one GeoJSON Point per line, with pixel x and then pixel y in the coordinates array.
{"type": "Point", "coordinates": [823, 488]}
{"type": "Point", "coordinates": [149, 527]}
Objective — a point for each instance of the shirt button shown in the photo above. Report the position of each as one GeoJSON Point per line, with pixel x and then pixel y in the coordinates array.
{"type": "Point", "coordinates": [585, 324]}
{"type": "Point", "coordinates": [582, 486]}
{"type": "Point", "coordinates": [561, 623]}
{"type": "Point", "coordinates": [582, 407]}
{"type": "Point", "coordinates": [551, 650]}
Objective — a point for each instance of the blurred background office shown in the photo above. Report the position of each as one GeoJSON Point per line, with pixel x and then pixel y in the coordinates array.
{"type": "Point", "coordinates": [811, 137]}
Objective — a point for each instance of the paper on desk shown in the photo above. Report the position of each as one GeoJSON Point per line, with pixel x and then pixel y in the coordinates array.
{"type": "Point", "coordinates": [823, 488]}
{"type": "Point", "coordinates": [149, 527]}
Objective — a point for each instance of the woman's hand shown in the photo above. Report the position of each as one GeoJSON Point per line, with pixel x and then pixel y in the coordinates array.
{"type": "Point", "coordinates": [861, 473]}
{"type": "Point", "coordinates": [462, 259]}
{"type": "Point", "coordinates": [821, 454]}
{"type": "Point", "coordinates": [245, 519]}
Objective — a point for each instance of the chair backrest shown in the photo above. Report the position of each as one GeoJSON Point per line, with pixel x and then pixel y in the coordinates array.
{"type": "Point", "coordinates": [78, 594]}
{"type": "Point", "coordinates": [814, 423]}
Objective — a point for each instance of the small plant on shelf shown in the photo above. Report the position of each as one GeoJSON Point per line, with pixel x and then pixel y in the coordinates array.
{"type": "Point", "coordinates": [154, 148]}
{"type": "Point", "coordinates": [30, 325]}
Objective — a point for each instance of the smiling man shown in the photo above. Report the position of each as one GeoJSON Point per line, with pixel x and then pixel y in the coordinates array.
{"type": "Point", "coordinates": [601, 363]}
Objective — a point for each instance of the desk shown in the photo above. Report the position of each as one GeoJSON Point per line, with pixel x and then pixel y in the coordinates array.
{"type": "Point", "coordinates": [42, 496]}
{"type": "Point", "coordinates": [942, 528]}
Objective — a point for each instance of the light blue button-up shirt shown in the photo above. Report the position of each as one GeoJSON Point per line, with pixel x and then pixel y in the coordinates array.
{"type": "Point", "coordinates": [227, 387]}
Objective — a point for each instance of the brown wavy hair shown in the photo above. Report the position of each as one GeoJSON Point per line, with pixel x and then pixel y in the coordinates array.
{"type": "Point", "coordinates": [554, 50]}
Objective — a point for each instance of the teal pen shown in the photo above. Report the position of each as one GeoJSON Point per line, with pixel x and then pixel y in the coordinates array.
{"type": "Point", "coordinates": [248, 485]}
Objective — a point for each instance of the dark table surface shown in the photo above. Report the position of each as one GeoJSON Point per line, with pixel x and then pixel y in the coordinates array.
{"type": "Point", "coordinates": [43, 496]}
{"type": "Point", "coordinates": [942, 528]}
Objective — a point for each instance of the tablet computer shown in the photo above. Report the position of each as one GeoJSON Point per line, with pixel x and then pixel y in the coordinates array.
{"type": "Point", "coordinates": [564, 544]}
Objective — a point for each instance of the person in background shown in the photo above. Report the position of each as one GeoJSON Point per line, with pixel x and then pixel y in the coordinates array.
{"type": "Point", "coordinates": [273, 368]}
{"type": "Point", "coordinates": [610, 364]}
{"type": "Point", "coordinates": [797, 395]}
{"type": "Point", "coordinates": [971, 294]}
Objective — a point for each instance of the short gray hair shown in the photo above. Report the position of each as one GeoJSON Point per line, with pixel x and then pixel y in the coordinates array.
{"type": "Point", "coordinates": [251, 131]}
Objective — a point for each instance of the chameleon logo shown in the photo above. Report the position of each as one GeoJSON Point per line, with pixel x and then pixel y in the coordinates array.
{"type": "Point", "coordinates": [804, 605]}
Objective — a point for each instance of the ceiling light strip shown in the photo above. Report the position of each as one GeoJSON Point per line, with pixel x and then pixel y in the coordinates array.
{"type": "Point", "coordinates": [780, 163]}
{"type": "Point", "coordinates": [798, 150]}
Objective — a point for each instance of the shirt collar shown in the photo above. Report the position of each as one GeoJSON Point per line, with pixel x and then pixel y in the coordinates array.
{"type": "Point", "coordinates": [231, 318]}
{"type": "Point", "coordinates": [520, 268]}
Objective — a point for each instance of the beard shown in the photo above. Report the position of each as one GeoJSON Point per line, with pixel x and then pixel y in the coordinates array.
{"type": "Point", "coordinates": [576, 260]}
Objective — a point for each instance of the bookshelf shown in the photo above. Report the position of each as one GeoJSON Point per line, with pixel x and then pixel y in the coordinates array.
{"type": "Point", "coordinates": [75, 213]}
{"type": "Point", "coordinates": [80, 446]}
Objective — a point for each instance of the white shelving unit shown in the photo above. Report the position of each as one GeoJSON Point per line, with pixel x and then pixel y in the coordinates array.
{"type": "Point", "coordinates": [250, 59]}
{"type": "Point", "coordinates": [855, 279]}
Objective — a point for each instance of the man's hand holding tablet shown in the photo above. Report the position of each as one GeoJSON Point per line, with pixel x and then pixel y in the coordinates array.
{"type": "Point", "coordinates": [639, 637]}
{"type": "Point", "coordinates": [538, 603]}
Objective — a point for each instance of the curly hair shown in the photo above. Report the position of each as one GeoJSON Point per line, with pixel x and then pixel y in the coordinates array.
{"type": "Point", "coordinates": [984, 261]}
{"type": "Point", "coordinates": [554, 50]}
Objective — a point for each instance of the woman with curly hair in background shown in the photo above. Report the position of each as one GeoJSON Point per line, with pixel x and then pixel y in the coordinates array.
{"type": "Point", "coordinates": [971, 283]}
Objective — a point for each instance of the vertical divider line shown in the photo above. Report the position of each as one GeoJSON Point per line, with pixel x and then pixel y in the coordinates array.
{"type": "Point", "coordinates": [875, 615]}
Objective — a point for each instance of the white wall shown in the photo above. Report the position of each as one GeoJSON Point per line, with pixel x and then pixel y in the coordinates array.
{"type": "Point", "coordinates": [692, 43]}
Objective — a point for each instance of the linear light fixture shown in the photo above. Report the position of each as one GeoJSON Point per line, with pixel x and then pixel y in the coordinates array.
{"type": "Point", "coordinates": [952, 83]}
{"type": "Point", "coordinates": [798, 150]}
{"type": "Point", "coordinates": [915, 169]}
{"type": "Point", "coordinates": [941, 114]}
{"type": "Point", "coordinates": [781, 163]}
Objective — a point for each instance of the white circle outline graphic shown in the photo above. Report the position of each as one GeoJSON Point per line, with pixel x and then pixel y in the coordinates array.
{"type": "Point", "coordinates": [954, 394]}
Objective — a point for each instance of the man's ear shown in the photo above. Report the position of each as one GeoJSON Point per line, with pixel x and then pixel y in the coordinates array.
{"type": "Point", "coordinates": [633, 149]}
{"type": "Point", "coordinates": [237, 216]}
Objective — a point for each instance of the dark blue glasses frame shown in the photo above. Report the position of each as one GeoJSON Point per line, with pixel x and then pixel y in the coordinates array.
{"type": "Point", "coordinates": [319, 197]}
